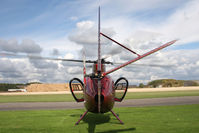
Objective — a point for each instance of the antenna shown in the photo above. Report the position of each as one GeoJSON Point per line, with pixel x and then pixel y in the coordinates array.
{"type": "Point", "coordinates": [99, 65]}
{"type": "Point", "coordinates": [99, 44]}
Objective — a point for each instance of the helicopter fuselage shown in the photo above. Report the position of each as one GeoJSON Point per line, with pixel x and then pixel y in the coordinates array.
{"type": "Point", "coordinates": [90, 89]}
{"type": "Point", "coordinates": [91, 94]}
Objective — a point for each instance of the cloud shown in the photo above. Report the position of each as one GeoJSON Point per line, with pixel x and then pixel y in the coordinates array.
{"type": "Point", "coordinates": [140, 5]}
{"type": "Point", "coordinates": [86, 33]}
{"type": "Point", "coordinates": [167, 19]}
{"type": "Point", "coordinates": [183, 23]}
{"type": "Point", "coordinates": [55, 52]}
{"type": "Point", "coordinates": [143, 38]}
{"type": "Point", "coordinates": [43, 64]}
{"type": "Point", "coordinates": [26, 46]}
{"type": "Point", "coordinates": [14, 70]}
{"type": "Point", "coordinates": [25, 70]}
{"type": "Point", "coordinates": [140, 25]}
{"type": "Point", "coordinates": [75, 70]}
{"type": "Point", "coordinates": [69, 56]}
{"type": "Point", "coordinates": [184, 66]}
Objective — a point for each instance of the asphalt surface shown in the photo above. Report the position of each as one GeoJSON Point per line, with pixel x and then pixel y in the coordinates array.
{"type": "Point", "coordinates": [126, 103]}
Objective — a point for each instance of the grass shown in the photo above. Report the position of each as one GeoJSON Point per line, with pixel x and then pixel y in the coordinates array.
{"type": "Point", "coordinates": [36, 98]}
{"type": "Point", "coordinates": [159, 119]}
{"type": "Point", "coordinates": [69, 98]}
{"type": "Point", "coordinates": [141, 95]}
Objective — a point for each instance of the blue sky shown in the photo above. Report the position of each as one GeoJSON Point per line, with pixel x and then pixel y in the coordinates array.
{"type": "Point", "coordinates": [68, 26]}
{"type": "Point", "coordinates": [31, 17]}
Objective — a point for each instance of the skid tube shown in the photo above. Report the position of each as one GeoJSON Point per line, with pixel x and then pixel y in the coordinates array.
{"type": "Point", "coordinates": [117, 117]}
{"type": "Point", "coordinates": [81, 118]}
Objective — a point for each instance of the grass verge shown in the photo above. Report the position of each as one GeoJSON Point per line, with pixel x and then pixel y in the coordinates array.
{"type": "Point", "coordinates": [161, 119]}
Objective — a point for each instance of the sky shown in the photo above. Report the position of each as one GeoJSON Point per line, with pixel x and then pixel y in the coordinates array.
{"type": "Point", "coordinates": [66, 28]}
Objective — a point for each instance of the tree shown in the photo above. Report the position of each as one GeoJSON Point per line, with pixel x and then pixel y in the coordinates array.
{"type": "Point", "coordinates": [141, 85]}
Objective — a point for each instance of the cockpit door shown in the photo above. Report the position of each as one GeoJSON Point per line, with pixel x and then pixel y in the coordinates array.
{"type": "Point", "coordinates": [121, 86]}
{"type": "Point", "coordinates": [77, 89]}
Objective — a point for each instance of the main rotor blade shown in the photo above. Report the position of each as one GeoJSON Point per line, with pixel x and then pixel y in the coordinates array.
{"type": "Point", "coordinates": [41, 58]}
{"type": "Point", "coordinates": [147, 65]}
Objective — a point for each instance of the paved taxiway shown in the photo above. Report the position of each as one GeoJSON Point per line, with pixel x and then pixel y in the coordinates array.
{"type": "Point", "coordinates": [126, 103]}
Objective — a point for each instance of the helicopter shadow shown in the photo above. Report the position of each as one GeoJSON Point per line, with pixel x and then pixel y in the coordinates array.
{"type": "Point", "coordinates": [93, 120]}
{"type": "Point", "coordinates": [96, 119]}
{"type": "Point", "coordinates": [118, 130]}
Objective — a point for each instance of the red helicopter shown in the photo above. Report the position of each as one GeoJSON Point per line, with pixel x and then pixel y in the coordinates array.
{"type": "Point", "coordinates": [99, 89]}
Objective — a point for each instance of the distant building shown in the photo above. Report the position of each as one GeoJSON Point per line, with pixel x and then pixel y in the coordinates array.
{"type": "Point", "coordinates": [17, 90]}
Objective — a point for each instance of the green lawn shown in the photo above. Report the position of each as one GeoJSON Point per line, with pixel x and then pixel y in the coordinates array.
{"type": "Point", "coordinates": [159, 119]}
{"type": "Point", "coordinates": [68, 97]}
{"type": "Point", "coordinates": [36, 98]}
{"type": "Point", "coordinates": [141, 95]}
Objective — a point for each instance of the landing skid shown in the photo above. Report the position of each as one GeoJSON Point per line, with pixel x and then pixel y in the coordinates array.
{"type": "Point", "coordinates": [82, 116]}
{"type": "Point", "coordinates": [117, 117]}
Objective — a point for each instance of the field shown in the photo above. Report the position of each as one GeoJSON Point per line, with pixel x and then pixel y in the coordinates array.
{"type": "Point", "coordinates": [68, 97]}
{"type": "Point", "coordinates": [161, 119]}
{"type": "Point", "coordinates": [158, 119]}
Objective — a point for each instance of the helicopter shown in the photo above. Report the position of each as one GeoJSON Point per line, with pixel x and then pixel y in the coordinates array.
{"type": "Point", "coordinates": [99, 91]}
